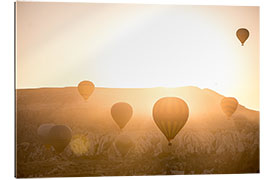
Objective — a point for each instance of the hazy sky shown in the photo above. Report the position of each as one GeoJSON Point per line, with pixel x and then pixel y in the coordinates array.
{"type": "Point", "coordinates": [134, 46]}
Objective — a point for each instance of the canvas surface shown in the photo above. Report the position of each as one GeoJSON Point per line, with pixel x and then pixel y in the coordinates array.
{"type": "Point", "coordinates": [133, 89]}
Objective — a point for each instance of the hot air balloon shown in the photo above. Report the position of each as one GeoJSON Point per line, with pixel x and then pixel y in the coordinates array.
{"type": "Point", "coordinates": [43, 134]}
{"type": "Point", "coordinates": [154, 140]}
{"type": "Point", "coordinates": [86, 88]}
{"type": "Point", "coordinates": [242, 34]}
{"type": "Point", "coordinates": [60, 136]}
{"type": "Point", "coordinates": [170, 115]}
{"type": "Point", "coordinates": [229, 105]}
{"type": "Point", "coordinates": [123, 144]}
{"type": "Point", "coordinates": [121, 113]}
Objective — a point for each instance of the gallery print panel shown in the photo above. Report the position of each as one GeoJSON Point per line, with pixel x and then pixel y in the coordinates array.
{"type": "Point", "coordinates": [136, 89]}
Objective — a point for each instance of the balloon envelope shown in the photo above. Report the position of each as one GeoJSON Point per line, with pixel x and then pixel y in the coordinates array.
{"type": "Point", "coordinates": [60, 136]}
{"type": "Point", "coordinates": [121, 113]}
{"type": "Point", "coordinates": [123, 144]}
{"type": "Point", "coordinates": [86, 88]}
{"type": "Point", "coordinates": [170, 115]}
{"type": "Point", "coordinates": [43, 133]}
{"type": "Point", "coordinates": [154, 140]}
{"type": "Point", "coordinates": [229, 105]}
{"type": "Point", "coordinates": [242, 34]}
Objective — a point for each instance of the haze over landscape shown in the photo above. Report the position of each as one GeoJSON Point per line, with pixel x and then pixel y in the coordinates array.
{"type": "Point", "coordinates": [219, 144]}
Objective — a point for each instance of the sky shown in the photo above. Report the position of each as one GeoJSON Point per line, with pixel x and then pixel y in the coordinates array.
{"type": "Point", "coordinates": [138, 46]}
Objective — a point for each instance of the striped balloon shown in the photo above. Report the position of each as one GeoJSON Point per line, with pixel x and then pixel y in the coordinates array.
{"type": "Point", "coordinates": [170, 115]}
{"type": "Point", "coordinates": [229, 105]}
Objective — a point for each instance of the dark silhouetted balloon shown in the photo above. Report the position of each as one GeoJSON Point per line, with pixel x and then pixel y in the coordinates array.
{"type": "Point", "coordinates": [242, 34]}
{"type": "Point", "coordinates": [86, 88]}
{"type": "Point", "coordinates": [60, 136]}
{"type": "Point", "coordinates": [123, 144]}
{"type": "Point", "coordinates": [229, 105]}
{"type": "Point", "coordinates": [121, 113]}
{"type": "Point", "coordinates": [43, 134]}
{"type": "Point", "coordinates": [170, 115]}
